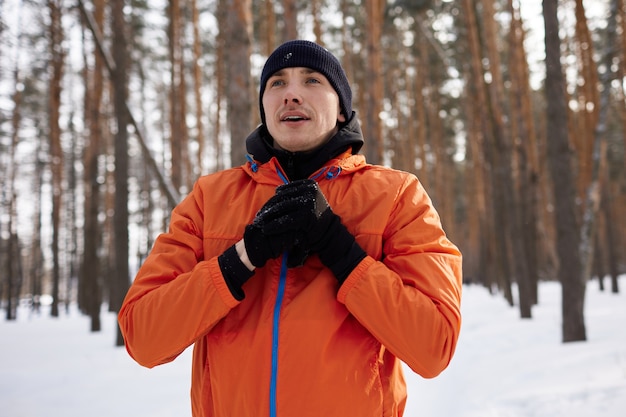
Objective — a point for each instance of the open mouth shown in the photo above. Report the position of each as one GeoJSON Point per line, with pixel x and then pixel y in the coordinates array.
{"type": "Point", "coordinates": [293, 118]}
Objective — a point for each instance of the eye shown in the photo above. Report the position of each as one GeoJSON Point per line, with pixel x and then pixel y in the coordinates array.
{"type": "Point", "coordinates": [275, 83]}
{"type": "Point", "coordinates": [312, 80]}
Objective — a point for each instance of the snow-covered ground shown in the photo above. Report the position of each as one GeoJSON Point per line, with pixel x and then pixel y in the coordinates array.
{"type": "Point", "coordinates": [504, 366]}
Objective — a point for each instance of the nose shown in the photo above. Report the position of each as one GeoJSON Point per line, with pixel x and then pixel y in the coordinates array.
{"type": "Point", "coordinates": [292, 96]}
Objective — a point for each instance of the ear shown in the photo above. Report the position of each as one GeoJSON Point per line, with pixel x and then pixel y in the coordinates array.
{"type": "Point", "coordinates": [340, 116]}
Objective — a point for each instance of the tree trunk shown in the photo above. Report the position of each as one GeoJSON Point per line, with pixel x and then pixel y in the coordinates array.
{"type": "Point", "coordinates": [290, 20]}
{"type": "Point", "coordinates": [71, 241]}
{"type": "Point", "coordinates": [11, 253]}
{"type": "Point", "coordinates": [372, 126]}
{"type": "Point", "coordinates": [421, 69]}
{"type": "Point", "coordinates": [177, 101]}
{"type": "Point", "coordinates": [559, 159]}
{"type": "Point", "coordinates": [238, 31]}
{"type": "Point", "coordinates": [497, 254]}
{"type": "Point", "coordinates": [509, 201]}
{"type": "Point", "coordinates": [594, 188]}
{"type": "Point", "coordinates": [612, 237]}
{"type": "Point", "coordinates": [197, 90]}
{"type": "Point", "coordinates": [36, 253]}
{"type": "Point", "coordinates": [220, 81]}
{"type": "Point", "coordinates": [57, 60]}
{"type": "Point", "coordinates": [588, 99]}
{"type": "Point", "coordinates": [89, 289]}
{"type": "Point", "coordinates": [269, 23]}
{"type": "Point", "coordinates": [121, 280]}
{"type": "Point", "coordinates": [525, 143]}
{"type": "Point", "coordinates": [346, 43]}
{"type": "Point", "coordinates": [317, 24]}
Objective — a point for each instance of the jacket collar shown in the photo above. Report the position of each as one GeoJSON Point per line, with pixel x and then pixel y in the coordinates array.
{"type": "Point", "coordinates": [298, 165]}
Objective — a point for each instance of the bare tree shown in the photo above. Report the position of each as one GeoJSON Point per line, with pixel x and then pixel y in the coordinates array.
{"type": "Point", "coordinates": [57, 62]}
{"type": "Point", "coordinates": [525, 144]}
{"type": "Point", "coordinates": [11, 242]}
{"type": "Point", "coordinates": [559, 159]}
{"type": "Point", "coordinates": [290, 20]}
{"type": "Point", "coordinates": [238, 32]}
{"type": "Point", "coordinates": [120, 280]}
{"type": "Point", "coordinates": [177, 99]}
{"type": "Point", "coordinates": [197, 85]}
{"type": "Point", "coordinates": [509, 202]}
{"type": "Point", "coordinates": [90, 286]}
{"type": "Point", "coordinates": [598, 163]}
{"type": "Point", "coordinates": [220, 82]}
{"type": "Point", "coordinates": [36, 269]}
{"type": "Point", "coordinates": [372, 127]}
{"type": "Point", "coordinates": [496, 254]}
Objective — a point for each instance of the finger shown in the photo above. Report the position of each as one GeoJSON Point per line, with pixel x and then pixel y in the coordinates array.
{"type": "Point", "coordinates": [297, 187]}
{"type": "Point", "coordinates": [280, 207]}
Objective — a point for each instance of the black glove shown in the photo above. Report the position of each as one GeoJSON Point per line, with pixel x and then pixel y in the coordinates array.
{"type": "Point", "coordinates": [275, 229]}
{"type": "Point", "coordinates": [324, 232]}
{"type": "Point", "coordinates": [300, 195]}
{"type": "Point", "coordinates": [234, 271]}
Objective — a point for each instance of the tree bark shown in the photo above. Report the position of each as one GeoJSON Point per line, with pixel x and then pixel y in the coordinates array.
{"type": "Point", "coordinates": [57, 62]}
{"type": "Point", "coordinates": [177, 101]}
{"type": "Point", "coordinates": [238, 31]}
{"type": "Point", "coordinates": [372, 127]}
{"type": "Point", "coordinates": [564, 190]}
{"type": "Point", "coordinates": [197, 91]}
{"type": "Point", "coordinates": [588, 99]}
{"type": "Point", "coordinates": [525, 144]}
{"type": "Point", "coordinates": [121, 279]}
{"type": "Point", "coordinates": [509, 202]}
{"type": "Point", "coordinates": [598, 162]}
{"type": "Point", "coordinates": [290, 20]}
{"type": "Point", "coordinates": [11, 254]}
{"type": "Point", "coordinates": [89, 288]}
{"type": "Point", "coordinates": [497, 252]}
{"type": "Point", "coordinates": [220, 80]}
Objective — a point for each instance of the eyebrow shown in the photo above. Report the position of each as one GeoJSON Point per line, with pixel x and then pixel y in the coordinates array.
{"type": "Point", "coordinates": [303, 70]}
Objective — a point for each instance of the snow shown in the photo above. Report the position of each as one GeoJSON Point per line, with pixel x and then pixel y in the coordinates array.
{"type": "Point", "coordinates": [504, 366]}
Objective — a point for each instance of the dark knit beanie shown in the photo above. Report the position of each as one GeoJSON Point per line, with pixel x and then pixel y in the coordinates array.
{"type": "Point", "coordinates": [300, 53]}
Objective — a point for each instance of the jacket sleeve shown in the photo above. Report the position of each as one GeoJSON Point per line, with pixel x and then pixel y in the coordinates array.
{"type": "Point", "coordinates": [410, 300]}
{"type": "Point", "coordinates": [177, 295]}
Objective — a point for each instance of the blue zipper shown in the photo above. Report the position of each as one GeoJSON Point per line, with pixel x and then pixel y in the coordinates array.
{"type": "Point", "coordinates": [330, 173]}
{"type": "Point", "coordinates": [276, 320]}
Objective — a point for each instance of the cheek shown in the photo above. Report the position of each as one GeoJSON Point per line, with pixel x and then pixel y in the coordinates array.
{"type": "Point", "coordinates": [333, 107]}
{"type": "Point", "coordinates": [269, 101]}
{"type": "Point", "coordinates": [266, 103]}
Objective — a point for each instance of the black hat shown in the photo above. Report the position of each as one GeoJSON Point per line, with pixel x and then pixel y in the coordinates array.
{"type": "Point", "coordinates": [300, 53]}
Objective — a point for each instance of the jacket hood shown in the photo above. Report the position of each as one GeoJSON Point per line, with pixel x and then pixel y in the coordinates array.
{"type": "Point", "coordinates": [298, 165]}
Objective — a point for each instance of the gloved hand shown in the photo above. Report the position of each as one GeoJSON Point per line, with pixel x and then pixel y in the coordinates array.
{"type": "Point", "coordinates": [324, 233]}
{"type": "Point", "coordinates": [277, 226]}
{"type": "Point", "coordinates": [301, 195]}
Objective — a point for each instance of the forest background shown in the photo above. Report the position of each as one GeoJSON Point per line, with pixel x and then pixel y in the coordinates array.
{"type": "Point", "coordinates": [512, 114]}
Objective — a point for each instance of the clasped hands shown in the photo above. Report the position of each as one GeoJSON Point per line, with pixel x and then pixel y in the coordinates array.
{"type": "Point", "coordinates": [298, 221]}
{"type": "Point", "coordinates": [295, 220]}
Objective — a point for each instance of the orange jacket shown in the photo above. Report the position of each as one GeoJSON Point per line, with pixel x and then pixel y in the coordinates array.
{"type": "Point", "coordinates": [297, 345]}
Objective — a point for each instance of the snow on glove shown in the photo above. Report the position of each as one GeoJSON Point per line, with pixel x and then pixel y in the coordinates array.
{"type": "Point", "coordinates": [324, 232]}
{"type": "Point", "coordinates": [300, 194]}
{"type": "Point", "coordinates": [275, 229]}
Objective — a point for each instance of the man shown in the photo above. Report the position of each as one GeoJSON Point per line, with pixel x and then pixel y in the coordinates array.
{"type": "Point", "coordinates": [305, 276]}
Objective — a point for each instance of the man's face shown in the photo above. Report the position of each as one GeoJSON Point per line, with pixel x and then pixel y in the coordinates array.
{"type": "Point", "coordinates": [301, 109]}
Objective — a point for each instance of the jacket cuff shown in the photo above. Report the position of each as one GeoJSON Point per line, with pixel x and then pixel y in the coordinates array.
{"type": "Point", "coordinates": [355, 276]}
{"type": "Point", "coordinates": [235, 272]}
